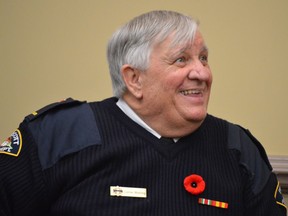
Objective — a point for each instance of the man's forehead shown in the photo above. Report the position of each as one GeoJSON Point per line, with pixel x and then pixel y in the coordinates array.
{"type": "Point", "coordinates": [182, 48]}
{"type": "Point", "coordinates": [173, 47]}
{"type": "Point", "coordinates": [196, 42]}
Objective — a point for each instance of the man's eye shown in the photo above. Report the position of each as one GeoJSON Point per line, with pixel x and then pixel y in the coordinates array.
{"type": "Point", "coordinates": [204, 59]}
{"type": "Point", "coordinates": [182, 59]}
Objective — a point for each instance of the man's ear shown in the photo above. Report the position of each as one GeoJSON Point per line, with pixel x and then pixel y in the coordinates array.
{"type": "Point", "coordinates": [131, 77]}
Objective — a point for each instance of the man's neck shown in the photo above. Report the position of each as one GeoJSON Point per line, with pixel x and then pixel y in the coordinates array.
{"type": "Point", "coordinates": [131, 114]}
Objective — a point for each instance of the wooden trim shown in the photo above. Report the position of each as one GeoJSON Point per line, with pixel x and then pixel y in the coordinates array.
{"type": "Point", "coordinates": [280, 168]}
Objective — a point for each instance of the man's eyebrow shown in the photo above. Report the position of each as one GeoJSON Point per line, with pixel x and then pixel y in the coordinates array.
{"type": "Point", "coordinates": [204, 49]}
{"type": "Point", "coordinates": [178, 52]}
{"type": "Point", "coordinates": [175, 52]}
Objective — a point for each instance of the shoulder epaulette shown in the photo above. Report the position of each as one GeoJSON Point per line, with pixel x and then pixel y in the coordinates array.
{"type": "Point", "coordinates": [258, 145]}
{"type": "Point", "coordinates": [252, 156]}
{"type": "Point", "coordinates": [63, 103]}
{"type": "Point", "coordinates": [63, 128]}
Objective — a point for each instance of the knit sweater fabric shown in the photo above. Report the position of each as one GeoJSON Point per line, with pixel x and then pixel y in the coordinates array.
{"type": "Point", "coordinates": [73, 153]}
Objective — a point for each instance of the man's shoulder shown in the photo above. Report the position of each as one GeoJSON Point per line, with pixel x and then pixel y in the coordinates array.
{"type": "Point", "coordinates": [63, 128]}
{"type": "Point", "coordinates": [63, 105]}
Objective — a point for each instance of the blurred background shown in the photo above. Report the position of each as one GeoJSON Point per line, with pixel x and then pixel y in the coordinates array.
{"type": "Point", "coordinates": [54, 49]}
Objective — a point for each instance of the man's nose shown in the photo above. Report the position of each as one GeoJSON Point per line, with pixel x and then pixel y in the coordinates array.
{"type": "Point", "coordinates": [198, 70]}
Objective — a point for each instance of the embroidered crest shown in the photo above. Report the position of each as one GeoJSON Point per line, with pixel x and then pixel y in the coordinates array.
{"type": "Point", "coordinates": [12, 146]}
{"type": "Point", "coordinates": [278, 196]}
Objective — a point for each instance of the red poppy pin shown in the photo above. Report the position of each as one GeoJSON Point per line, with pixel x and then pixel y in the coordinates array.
{"type": "Point", "coordinates": [194, 184]}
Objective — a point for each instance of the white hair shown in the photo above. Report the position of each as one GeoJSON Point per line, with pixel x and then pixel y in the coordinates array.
{"type": "Point", "coordinates": [132, 43]}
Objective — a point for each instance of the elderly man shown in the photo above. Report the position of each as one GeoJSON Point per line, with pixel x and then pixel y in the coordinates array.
{"type": "Point", "coordinates": [150, 150]}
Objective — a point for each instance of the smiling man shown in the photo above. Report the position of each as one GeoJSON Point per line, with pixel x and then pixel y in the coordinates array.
{"type": "Point", "coordinates": [172, 94]}
{"type": "Point", "coordinates": [152, 149]}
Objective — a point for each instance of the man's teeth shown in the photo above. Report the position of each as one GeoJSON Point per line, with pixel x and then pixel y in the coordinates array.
{"type": "Point", "coordinates": [187, 92]}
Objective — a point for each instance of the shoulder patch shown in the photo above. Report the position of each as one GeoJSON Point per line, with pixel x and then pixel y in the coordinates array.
{"type": "Point", "coordinates": [36, 114]}
{"type": "Point", "coordinates": [13, 145]}
{"type": "Point", "coordinates": [278, 196]}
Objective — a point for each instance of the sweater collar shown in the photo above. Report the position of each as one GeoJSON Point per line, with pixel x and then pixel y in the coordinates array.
{"type": "Point", "coordinates": [131, 114]}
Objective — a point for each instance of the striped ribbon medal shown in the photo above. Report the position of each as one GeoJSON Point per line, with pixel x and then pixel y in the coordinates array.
{"type": "Point", "coordinates": [214, 203]}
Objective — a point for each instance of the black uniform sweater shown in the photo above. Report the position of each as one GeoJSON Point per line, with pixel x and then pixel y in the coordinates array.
{"type": "Point", "coordinates": [72, 153]}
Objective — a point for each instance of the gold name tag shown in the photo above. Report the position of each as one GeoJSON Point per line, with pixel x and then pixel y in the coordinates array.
{"type": "Point", "coordinates": [128, 192]}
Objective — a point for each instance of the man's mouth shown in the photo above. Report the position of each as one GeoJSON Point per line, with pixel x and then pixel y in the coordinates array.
{"type": "Point", "coordinates": [192, 92]}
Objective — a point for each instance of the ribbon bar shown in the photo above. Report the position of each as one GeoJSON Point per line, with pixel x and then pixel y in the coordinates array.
{"type": "Point", "coordinates": [214, 203]}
